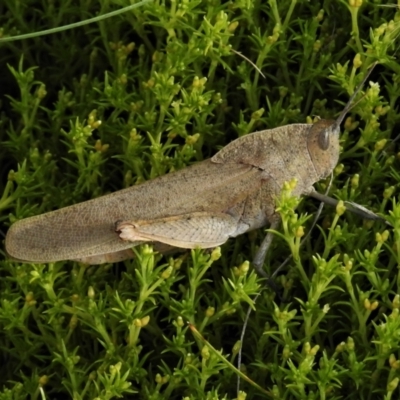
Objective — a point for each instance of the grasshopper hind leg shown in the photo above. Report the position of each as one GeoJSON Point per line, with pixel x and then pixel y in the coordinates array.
{"type": "Point", "coordinates": [193, 230]}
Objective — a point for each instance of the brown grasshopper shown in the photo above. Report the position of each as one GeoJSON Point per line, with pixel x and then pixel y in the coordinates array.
{"type": "Point", "coordinates": [199, 206]}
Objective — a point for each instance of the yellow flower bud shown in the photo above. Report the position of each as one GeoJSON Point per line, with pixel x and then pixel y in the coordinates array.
{"type": "Point", "coordinates": [205, 352]}
{"type": "Point", "coordinates": [380, 144]}
{"type": "Point", "coordinates": [191, 140]}
{"type": "Point", "coordinates": [299, 232]}
{"type": "Point", "coordinates": [340, 347]}
{"type": "Point", "coordinates": [91, 292]}
{"type": "Point", "coordinates": [374, 305]}
{"type": "Point", "coordinates": [355, 181]}
{"type": "Point", "coordinates": [216, 254]}
{"type": "Point", "coordinates": [357, 61]}
{"type": "Point", "coordinates": [244, 268]}
{"type": "Point", "coordinates": [43, 380]}
{"type": "Point", "coordinates": [232, 26]}
{"type": "Point", "coordinates": [314, 350]}
{"type": "Point", "coordinates": [210, 312]}
{"type": "Point", "coordinates": [167, 273]}
{"type": "Point", "coordinates": [236, 347]}
{"type": "Point", "coordinates": [388, 192]}
{"type": "Point", "coordinates": [340, 208]}
{"type": "Point", "coordinates": [350, 344]}
{"type": "Point", "coordinates": [392, 386]}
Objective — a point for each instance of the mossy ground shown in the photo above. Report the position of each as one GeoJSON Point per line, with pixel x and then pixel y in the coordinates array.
{"type": "Point", "coordinates": [168, 90]}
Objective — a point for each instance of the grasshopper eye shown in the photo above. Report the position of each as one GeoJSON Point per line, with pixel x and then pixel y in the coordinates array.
{"type": "Point", "coordinates": [323, 138]}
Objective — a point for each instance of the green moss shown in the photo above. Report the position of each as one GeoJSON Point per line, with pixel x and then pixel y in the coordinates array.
{"type": "Point", "coordinates": [101, 107]}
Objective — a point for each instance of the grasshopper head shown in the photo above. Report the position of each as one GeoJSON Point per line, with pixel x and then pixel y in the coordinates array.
{"type": "Point", "coordinates": [323, 146]}
{"type": "Point", "coordinates": [323, 137]}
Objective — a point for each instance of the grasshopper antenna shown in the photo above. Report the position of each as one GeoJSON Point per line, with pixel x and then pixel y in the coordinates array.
{"type": "Point", "coordinates": [349, 104]}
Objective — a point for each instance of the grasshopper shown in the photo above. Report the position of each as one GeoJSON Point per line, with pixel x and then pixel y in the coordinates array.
{"type": "Point", "coordinates": [200, 206]}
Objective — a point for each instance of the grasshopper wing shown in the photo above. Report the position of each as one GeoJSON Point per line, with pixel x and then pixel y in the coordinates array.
{"type": "Point", "coordinates": [88, 229]}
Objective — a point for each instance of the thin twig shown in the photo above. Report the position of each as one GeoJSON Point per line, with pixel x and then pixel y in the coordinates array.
{"type": "Point", "coordinates": [249, 61]}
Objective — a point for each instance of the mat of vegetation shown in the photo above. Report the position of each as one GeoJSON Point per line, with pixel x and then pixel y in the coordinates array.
{"type": "Point", "coordinates": [98, 108]}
